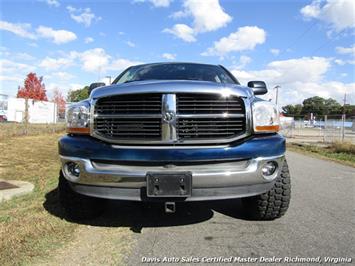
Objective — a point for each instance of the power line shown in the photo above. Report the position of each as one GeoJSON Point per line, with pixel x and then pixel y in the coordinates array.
{"type": "Point", "coordinates": [315, 50]}
{"type": "Point", "coordinates": [302, 35]}
{"type": "Point", "coordinates": [289, 47]}
{"type": "Point", "coordinates": [327, 42]}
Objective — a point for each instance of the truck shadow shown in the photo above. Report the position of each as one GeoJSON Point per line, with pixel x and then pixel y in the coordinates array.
{"type": "Point", "coordinates": [137, 215]}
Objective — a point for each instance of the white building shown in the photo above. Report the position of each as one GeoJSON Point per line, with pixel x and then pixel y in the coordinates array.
{"type": "Point", "coordinates": [38, 111]}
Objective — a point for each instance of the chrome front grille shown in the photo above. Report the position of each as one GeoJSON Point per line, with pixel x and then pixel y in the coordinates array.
{"type": "Point", "coordinates": [129, 128]}
{"type": "Point", "coordinates": [205, 116]}
{"type": "Point", "coordinates": [208, 104]}
{"type": "Point", "coordinates": [169, 118]}
{"type": "Point", "coordinates": [129, 104]}
{"type": "Point", "coordinates": [207, 128]}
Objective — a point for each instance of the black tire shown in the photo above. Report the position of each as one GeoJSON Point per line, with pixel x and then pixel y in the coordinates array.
{"type": "Point", "coordinates": [274, 203]}
{"type": "Point", "coordinates": [78, 206]}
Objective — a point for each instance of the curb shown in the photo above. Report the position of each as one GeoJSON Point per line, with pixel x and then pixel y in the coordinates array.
{"type": "Point", "coordinates": [23, 189]}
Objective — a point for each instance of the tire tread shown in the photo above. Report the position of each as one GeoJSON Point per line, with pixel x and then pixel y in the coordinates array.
{"type": "Point", "coordinates": [273, 203]}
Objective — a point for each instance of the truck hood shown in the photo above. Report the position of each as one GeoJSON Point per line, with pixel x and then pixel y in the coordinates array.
{"type": "Point", "coordinates": [172, 86]}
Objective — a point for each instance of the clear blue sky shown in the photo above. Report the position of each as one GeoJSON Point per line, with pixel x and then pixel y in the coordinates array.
{"type": "Point", "coordinates": [307, 47]}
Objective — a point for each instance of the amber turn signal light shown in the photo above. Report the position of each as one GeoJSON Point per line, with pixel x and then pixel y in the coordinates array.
{"type": "Point", "coordinates": [274, 128]}
{"type": "Point", "coordinates": [78, 130]}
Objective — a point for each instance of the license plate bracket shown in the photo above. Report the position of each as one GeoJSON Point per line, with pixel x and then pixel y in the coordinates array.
{"type": "Point", "coordinates": [175, 184]}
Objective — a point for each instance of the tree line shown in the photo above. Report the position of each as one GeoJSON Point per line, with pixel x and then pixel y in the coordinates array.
{"type": "Point", "coordinates": [318, 106]}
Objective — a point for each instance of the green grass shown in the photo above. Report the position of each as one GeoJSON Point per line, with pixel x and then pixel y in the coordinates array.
{"type": "Point", "coordinates": [27, 229]}
{"type": "Point", "coordinates": [340, 152]}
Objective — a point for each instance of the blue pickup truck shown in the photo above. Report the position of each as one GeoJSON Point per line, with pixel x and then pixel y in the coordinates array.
{"type": "Point", "coordinates": [174, 132]}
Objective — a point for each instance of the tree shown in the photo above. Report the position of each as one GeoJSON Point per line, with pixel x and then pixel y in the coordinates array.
{"type": "Point", "coordinates": [349, 110]}
{"type": "Point", "coordinates": [332, 107]}
{"type": "Point", "coordinates": [292, 109]}
{"type": "Point", "coordinates": [78, 95]}
{"type": "Point", "coordinates": [33, 88]}
{"type": "Point", "coordinates": [315, 105]}
{"type": "Point", "coordinates": [59, 99]}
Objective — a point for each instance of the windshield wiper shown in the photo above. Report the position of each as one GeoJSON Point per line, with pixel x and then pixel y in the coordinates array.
{"type": "Point", "coordinates": [128, 81]}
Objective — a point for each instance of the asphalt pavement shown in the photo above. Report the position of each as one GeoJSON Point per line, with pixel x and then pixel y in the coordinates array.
{"type": "Point", "coordinates": [319, 223]}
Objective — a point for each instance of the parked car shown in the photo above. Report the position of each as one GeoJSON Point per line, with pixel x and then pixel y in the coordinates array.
{"type": "Point", "coordinates": [174, 132]}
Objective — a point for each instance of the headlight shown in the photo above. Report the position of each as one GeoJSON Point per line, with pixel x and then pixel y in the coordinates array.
{"type": "Point", "coordinates": [265, 117]}
{"type": "Point", "coordinates": [78, 117]}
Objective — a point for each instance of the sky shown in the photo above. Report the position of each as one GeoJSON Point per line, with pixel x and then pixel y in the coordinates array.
{"type": "Point", "coordinates": [305, 47]}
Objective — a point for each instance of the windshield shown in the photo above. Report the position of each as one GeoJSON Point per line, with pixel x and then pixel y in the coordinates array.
{"type": "Point", "coordinates": [176, 71]}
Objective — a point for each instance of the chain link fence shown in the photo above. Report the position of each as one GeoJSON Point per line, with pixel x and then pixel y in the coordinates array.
{"type": "Point", "coordinates": [326, 129]}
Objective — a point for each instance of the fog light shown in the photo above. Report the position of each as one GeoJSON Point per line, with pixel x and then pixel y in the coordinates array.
{"type": "Point", "coordinates": [73, 169]}
{"type": "Point", "coordinates": [269, 169]}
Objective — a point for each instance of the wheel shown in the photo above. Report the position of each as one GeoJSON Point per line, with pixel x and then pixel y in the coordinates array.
{"type": "Point", "coordinates": [78, 206]}
{"type": "Point", "coordinates": [273, 203]}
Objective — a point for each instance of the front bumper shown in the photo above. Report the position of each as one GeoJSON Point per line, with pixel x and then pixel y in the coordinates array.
{"type": "Point", "coordinates": [112, 172]}
{"type": "Point", "coordinates": [210, 181]}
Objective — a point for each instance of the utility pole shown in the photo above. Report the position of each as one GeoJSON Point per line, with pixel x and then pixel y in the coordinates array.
{"type": "Point", "coordinates": [344, 103]}
{"type": "Point", "coordinates": [343, 120]}
{"type": "Point", "coordinates": [109, 79]}
{"type": "Point", "coordinates": [277, 95]}
{"type": "Point", "coordinates": [99, 74]}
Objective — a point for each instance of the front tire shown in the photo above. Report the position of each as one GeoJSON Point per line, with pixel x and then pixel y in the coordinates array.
{"type": "Point", "coordinates": [78, 206]}
{"type": "Point", "coordinates": [273, 203]}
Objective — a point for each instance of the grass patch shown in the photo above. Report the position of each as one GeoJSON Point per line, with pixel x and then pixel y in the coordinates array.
{"type": "Point", "coordinates": [342, 152]}
{"type": "Point", "coordinates": [19, 129]}
{"type": "Point", "coordinates": [343, 147]}
{"type": "Point", "coordinates": [27, 229]}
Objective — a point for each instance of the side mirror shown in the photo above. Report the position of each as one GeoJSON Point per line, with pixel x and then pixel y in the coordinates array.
{"type": "Point", "coordinates": [95, 85]}
{"type": "Point", "coordinates": [258, 87]}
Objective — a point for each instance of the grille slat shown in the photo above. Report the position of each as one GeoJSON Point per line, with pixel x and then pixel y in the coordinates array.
{"type": "Point", "coordinates": [127, 108]}
{"type": "Point", "coordinates": [216, 122]}
{"type": "Point", "coordinates": [207, 134]}
{"type": "Point", "coordinates": [226, 105]}
{"type": "Point", "coordinates": [129, 105]}
{"type": "Point", "coordinates": [130, 102]}
{"type": "Point", "coordinates": [124, 130]}
{"type": "Point", "coordinates": [211, 129]}
{"type": "Point", "coordinates": [199, 117]}
{"type": "Point", "coordinates": [146, 127]}
{"type": "Point", "coordinates": [212, 109]}
{"type": "Point", "coordinates": [134, 134]}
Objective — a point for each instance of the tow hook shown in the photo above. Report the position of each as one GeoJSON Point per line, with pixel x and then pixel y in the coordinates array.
{"type": "Point", "coordinates": [169, 207]}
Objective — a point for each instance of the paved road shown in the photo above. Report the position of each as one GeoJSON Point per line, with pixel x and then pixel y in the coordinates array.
{"type": "Point", "coordinates": [320, 222]}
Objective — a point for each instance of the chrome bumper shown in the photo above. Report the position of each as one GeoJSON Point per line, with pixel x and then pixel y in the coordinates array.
{"type": "Point", "coordinates": [210, 181]}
